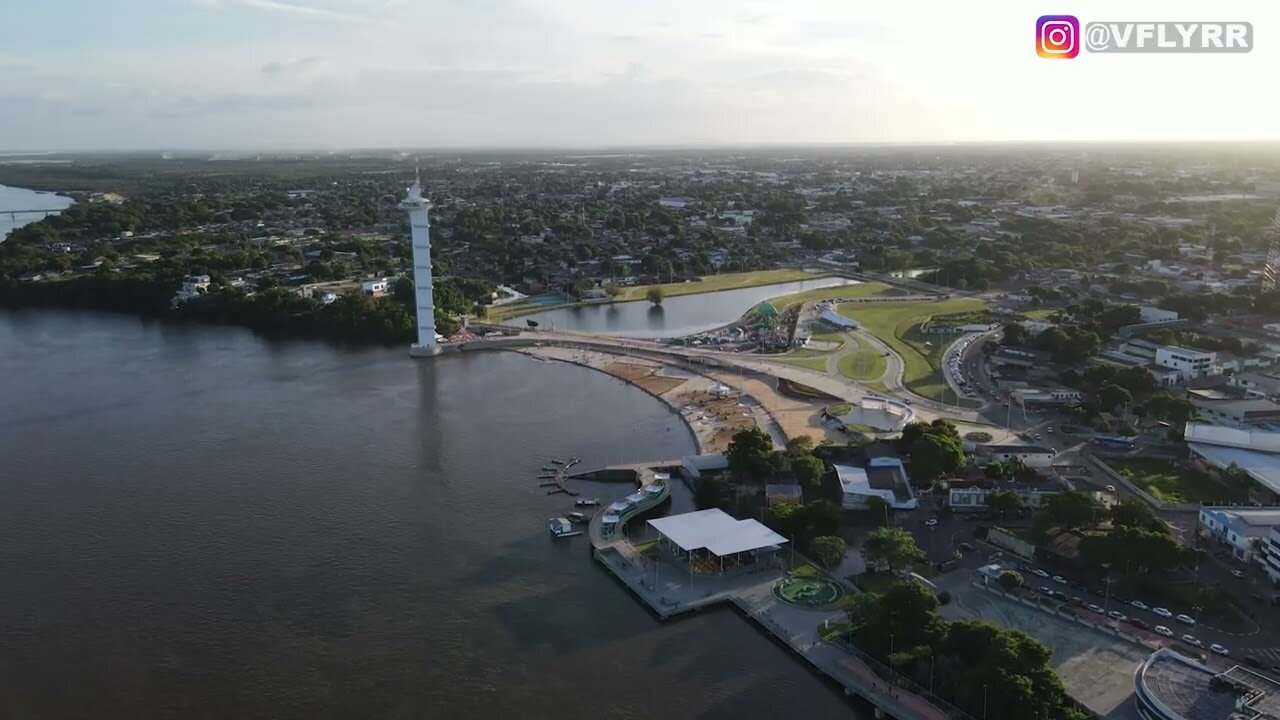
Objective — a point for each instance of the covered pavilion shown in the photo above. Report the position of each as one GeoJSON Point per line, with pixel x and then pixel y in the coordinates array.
{"type": "Point", "coordinates": [716, 536]}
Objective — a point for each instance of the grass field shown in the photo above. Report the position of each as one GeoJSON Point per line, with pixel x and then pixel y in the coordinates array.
{"type": "Point", "coordinates": [818, 363]}
{"type": "Point", "coordinates": [877, 386]}
{"type": "Point", "coordinates": [897, 325]}
{"type": "Point", "coordinates": [863, 364]}
{"type": "Point", "coordinates": [867, 289]}
{"type": "Point", "coordinates": [727, 281]}
{"type": "Point", "coordinates": [1169, 482]}
{"type": "Point", "coordinates": [1040, 314]}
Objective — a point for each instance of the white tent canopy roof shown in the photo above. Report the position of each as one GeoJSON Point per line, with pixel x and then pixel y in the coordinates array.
{"type": "Point", "coordinates": [716, 531]}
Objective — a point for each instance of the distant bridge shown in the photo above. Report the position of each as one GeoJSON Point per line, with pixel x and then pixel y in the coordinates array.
{"type": "Point", "coordinates": [13, 214]}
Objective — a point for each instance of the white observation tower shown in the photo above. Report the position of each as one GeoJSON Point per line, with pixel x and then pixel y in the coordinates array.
{"type": "Point", "coordinates": [420, 237]}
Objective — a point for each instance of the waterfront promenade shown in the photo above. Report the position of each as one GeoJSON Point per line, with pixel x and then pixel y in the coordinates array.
{"type": "Point", "coordinates": [670, 589]}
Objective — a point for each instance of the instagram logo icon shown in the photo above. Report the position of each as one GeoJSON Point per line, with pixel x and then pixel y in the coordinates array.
{"type": "Point", "coordinates": [1057, 37]}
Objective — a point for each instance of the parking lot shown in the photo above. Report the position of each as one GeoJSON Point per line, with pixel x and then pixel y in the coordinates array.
{"type": "Point", "coordinates": [1096, 669]}
{"type": "Point", "coordinates": [1181, 628]}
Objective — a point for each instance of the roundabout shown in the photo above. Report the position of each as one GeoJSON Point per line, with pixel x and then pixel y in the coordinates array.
{"type": "Point", "coordinates": [807, 591]}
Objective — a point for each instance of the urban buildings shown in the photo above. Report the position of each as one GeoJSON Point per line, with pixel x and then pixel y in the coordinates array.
{"type": "Point", "coordinates": [1243, 530]}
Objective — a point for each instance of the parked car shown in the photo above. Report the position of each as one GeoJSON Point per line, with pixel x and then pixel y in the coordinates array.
{"type": "Point", "coordinates": [1162, 612]}
{"type": "Point", "coordinates": [1218, 649]}
{"type": "Point", "coordinates": [1059, 579]}
{"type": "Point", "coordinates": [1046, 591]}
{"type": "Point", "coordinates": [1192, 640]}
{"type": "Point", "coordinates": [1111, 488]}
{"type": "Point", "coordinates": [1139, 623]}
{"type": "Point", "coordinates": [1059, 595]}
{"type": "Point", "coordinates": [1095, 608]}
{"type": "Point", "coordinates": [1117, 616]}
{"type": "Point", "coordinates": [1039, 573]}
{"type": "Point", "coordinates": [1237, 573]}
{"type": "Point", "coordinates": [931, 522]}
{"type": "Point", "coordinates": [1139, 604]}
{"type": "Point", "coordinates": [1161, 629]}
{"type": "Point", "coordinates": [1186, 619]}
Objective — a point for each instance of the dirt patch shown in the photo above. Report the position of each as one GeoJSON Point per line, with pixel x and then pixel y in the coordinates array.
{"type": "Point", "coordinates": [644, 376]}
{"type": "Point", "coordinates": [715, 418]}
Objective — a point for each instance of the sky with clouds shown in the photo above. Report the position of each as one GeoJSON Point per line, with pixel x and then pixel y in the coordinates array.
{"type": "Point", "coordinates": [282, 74]}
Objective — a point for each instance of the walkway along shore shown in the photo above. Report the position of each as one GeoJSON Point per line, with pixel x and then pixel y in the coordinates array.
{"type": "Point", "coordinates": [670, 591]}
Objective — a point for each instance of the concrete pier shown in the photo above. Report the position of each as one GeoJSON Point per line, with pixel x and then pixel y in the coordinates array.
{"type": "Point", "coordinates": [670, 590]}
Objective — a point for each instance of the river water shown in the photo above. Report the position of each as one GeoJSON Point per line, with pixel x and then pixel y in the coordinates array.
{"type": "Point", "coordinates": [682, 315]}
{"type": "Point", "coordinates": [13, 198]}
{"type": "Point", "coordinates": [195, 523]}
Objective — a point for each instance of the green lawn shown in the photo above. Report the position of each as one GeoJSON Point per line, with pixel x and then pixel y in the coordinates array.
{"type": "Point", "coordinates": [726, 281]}
{"type": "Point", "coordinates": [1170, 482]}
{"type": "Point", "coordinates": [866, 289]}
{"type": "Point", "coordinates": [897, 325]}
{"type": "Point", "coordinates": [1040, 314]}
{"type": "Point", "coordinates": [863, 364]}
{"type": "Point", "coordinates": [648, 548]}
{"type": "Point", "coordinates": [831, 632]}
{"type": "Point", "coordinates": [877, 386]}
{"type": "Point", "coordinates": [817, 362]}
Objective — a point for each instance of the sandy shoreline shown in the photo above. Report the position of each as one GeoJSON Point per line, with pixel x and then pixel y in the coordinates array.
{"type": "Point", "coordinates": [712, 408]}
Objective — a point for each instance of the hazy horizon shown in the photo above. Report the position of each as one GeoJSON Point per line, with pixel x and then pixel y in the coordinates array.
{"type": "Point", "coordinates": [321, 75]}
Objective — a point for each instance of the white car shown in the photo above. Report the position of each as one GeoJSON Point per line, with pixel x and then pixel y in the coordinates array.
{"type": "Point", "coordinates": [1219, 649]}
{"type": "Point", "coordinates": [1059, 579]}
{"type": "Point", "coordinates": [1186, 619]}
{"type": "Point", "coordinates": [931, 522]}
{"type": "Point", "coordinates": [1192, 640]}
{"type": "Point", "coordinates": [1237, 573]}
{"type": "Point", "coordinates": [1162, 612]}
{"type": "Point", "coordinates": [1039, 573]}
{"type": "Point", "coordinates": [1095, 608]}
{"type": "Point", "coordinates": [1117, 616]}
{"type": "Point", "coordinates": [1161, 629]}
{"type": "Point", "coordinates": [1139, 604]}
{"type": "Point", "coordinates": [1111, 488]}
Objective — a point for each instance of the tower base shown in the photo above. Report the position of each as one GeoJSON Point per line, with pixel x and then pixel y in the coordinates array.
{"type": "Point", "coordinates": [422, 351]}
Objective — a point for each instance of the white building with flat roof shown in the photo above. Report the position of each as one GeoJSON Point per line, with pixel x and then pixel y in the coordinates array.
{"type": "Point", "coordinates": [1189, 363]}
{"type": "Point", "coordinates": [1243, 530]}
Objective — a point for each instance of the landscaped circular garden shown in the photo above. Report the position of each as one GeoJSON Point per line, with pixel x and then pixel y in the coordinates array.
{"type": "Point", "coordinates": [978, 436]}
{"type": "Point", "coordinates": [807, 591]}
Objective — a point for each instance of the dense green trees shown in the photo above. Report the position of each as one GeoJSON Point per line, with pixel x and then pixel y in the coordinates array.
{"type": "Point", "coordinates": [935, 450]}
{"type": "Point", "coordinates": [1069, 510]}
{"type": "Point", "coordinates": [893, 547]}
{"type": "Point", "coordinates": [983, 669]}
{"type": "Point", "coordinates": [828, 550]}
{"type": "Point", "coordinates": [751, 455]}
{"type": "Point", "coordinates": [1005, 502]}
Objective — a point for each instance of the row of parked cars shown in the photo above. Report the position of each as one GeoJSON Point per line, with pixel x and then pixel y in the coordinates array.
{"type": "Point", "coordinates": [1118, 616]}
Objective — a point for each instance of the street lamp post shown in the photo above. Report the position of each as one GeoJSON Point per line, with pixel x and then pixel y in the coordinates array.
{"type": "Point", "coordinates": [984, 702]}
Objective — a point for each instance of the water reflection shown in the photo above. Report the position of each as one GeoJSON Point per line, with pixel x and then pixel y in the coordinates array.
{"type": "Point", "coordinates": [681, 315]}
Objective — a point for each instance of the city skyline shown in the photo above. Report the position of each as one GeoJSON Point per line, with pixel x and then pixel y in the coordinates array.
{"type": "Point", "coordinates": [316, 74]}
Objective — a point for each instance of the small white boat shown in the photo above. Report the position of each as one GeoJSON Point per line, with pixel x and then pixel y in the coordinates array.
{"type": "Point", "coordinates": [586, 502]}
{"type": "Point", "coordinates": [561, 528]}
{"type": "Point", "coordinates": [576, 517]}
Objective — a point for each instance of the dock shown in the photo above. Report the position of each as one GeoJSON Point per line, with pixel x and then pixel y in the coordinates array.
{"type": "Point", "coordinates": [670, 590]}
{"type": "Point", "coordinates": [558, 481]}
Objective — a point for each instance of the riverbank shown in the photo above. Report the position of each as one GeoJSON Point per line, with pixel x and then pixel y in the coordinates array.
{"type": "Point", "coordinates": [711, 409]}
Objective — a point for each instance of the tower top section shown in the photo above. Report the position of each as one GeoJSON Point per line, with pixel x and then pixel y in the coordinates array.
{"type": "Point", "coordinates": [413, 196]}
